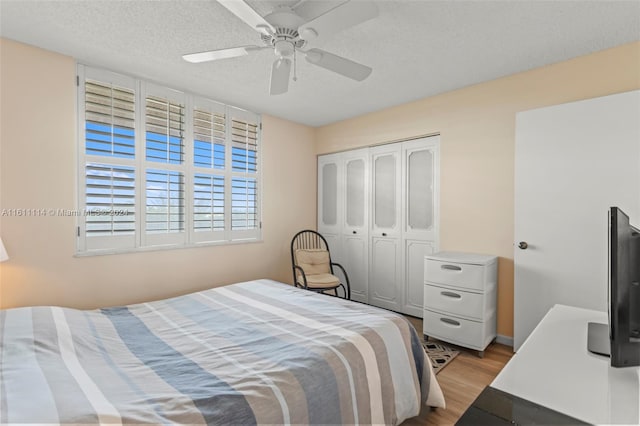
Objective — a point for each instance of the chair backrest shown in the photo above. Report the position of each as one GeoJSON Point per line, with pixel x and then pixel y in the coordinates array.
{"type": "Point", "coordinates": [313, 261]}
{"type": "Point", "coordinates": [310, 251]}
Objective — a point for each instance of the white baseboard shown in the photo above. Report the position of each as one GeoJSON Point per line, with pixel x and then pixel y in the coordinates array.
{"type": "Point", "coordinates": [504, 340]}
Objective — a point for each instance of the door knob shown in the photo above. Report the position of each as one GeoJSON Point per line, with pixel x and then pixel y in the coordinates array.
{"type": "Point", "coordinates": [384, 234]}
{"type": "Point", "coordinates": [522, 245]}
{"type": "Point", "coordinates": [354, 232]}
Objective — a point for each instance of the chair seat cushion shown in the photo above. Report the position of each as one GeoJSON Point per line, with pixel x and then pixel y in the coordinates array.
{"type": "Point", "coordinates": [320, 281]}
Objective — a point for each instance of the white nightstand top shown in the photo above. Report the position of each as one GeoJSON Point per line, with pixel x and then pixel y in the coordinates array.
{"type": "Point", "coordinates": [553, 368]}
{"type": "Point", "coordinates": [459, 257]}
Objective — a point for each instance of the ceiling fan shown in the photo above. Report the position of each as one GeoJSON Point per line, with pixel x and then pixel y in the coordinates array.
{"type": "Point", "coordinates": [288, 33]}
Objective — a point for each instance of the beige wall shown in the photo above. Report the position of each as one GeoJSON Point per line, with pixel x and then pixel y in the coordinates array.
{"type": "Point", "coordinates": [477, 128]}
{"type": "Point", "coordinates": [38, 170]}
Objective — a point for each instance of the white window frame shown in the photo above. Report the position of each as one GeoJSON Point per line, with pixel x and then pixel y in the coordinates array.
{"type": "Point", "coordinates": [142, 240]}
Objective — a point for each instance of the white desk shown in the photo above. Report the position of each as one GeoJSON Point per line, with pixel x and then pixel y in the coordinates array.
{"type": "Point", "coordinates": [553, 368]}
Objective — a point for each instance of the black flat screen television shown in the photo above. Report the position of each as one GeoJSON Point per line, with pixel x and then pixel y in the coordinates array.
{"type": "Point", "coordinates": [620, 339]}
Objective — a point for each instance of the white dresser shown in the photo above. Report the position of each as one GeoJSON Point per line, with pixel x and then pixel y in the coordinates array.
{"type": "Point", "coordinates": [460, 298]}
{"type": "Point", "coordinates": [553, 368]}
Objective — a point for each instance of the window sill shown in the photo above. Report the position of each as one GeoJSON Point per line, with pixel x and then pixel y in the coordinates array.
{"type": "Point", "coordinates": [107, 252]}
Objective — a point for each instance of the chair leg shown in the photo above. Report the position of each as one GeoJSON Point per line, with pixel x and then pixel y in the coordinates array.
{"type": "Point", "coordinates": [344, 290]}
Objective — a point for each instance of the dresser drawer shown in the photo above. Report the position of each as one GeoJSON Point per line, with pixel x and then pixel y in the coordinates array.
{"type": "Point", "coordinates": [454, 301]}
{"type": "Point", "coordinates": [453, 329]}
{"type": "Point", "coordinates": [455, 274]}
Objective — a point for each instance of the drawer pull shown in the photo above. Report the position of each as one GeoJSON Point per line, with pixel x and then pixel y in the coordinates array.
{"type": "Point", "coordinates": [449, 321]}
{"type": "Point", "coordinates": [451, 267]}
{"type": "Point", "coordinates": [451, 294]}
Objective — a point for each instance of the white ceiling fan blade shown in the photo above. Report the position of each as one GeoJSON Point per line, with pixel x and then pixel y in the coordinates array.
{"type": "Point", "coordinates": [338, 64]}
{"type": "Point", "coordinates": [243, 11]}
{"type": "Point", "coordinates": [339, 18]}
{"type": "Point", "coordinates": [311, 9]}
{"type": "Point", "coordinates": [280, 72]}
{"type": "Point", "coordinates": [213, 55]}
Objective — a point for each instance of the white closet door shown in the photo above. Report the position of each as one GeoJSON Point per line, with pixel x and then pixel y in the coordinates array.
{"type": "Point", "coordinates": [420, 216]}
{"type": "Point", "coordinates": [355, 233]}
{"type": "Point", "coordinates": [330, 207]}
{"type": "Point", "coordinates": [386, 254]}
{"type": "Point", "coordinates": [378, 209]}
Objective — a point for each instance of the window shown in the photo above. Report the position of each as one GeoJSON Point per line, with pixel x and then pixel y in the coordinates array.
{"type": "Point", "coordinates": [163, 168]}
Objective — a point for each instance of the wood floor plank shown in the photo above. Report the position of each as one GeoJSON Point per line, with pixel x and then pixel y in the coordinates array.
{"type": "Point", "coordinates": [462, 380]}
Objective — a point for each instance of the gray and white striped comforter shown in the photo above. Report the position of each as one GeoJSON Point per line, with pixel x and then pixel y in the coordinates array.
{"type": "Point", "coordinates": [255, 352]}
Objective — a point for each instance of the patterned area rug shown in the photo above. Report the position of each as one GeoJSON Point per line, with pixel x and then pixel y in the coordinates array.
{"type": "Point", "coordinates": [439, 354]}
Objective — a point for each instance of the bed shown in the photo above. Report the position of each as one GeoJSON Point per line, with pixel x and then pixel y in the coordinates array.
{"type": "Point", "coordinates": [258, 352]}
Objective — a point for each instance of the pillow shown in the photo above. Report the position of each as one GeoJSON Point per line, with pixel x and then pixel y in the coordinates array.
{"type": "Point", "coordinates": [313, 261]}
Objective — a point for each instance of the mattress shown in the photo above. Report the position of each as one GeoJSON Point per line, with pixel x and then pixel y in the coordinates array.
{"type": "Point", "coordinates": [258, 352]}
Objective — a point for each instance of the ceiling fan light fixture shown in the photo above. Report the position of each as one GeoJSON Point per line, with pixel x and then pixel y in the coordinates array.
{"type": "Point", "coordinates": [284, 48]}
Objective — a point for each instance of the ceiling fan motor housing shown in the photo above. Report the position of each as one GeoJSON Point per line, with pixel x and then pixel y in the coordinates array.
{"type": "Point", "coordinates": [285, 39]}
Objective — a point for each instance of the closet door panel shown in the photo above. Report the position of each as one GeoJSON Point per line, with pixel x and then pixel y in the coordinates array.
{"type": "Point", "coordinates": [385, 276]}
{"type": "Point", "coordinates": [386, 190]}
{"type": "Point", "coordinates": [413, 294]}
{"type": "Point", "coordinates": [355, 193]}
{"type": "Point", "coordinates": [420, 160]}
{"type": "Point", "coordinates": [421, 184]}
{"type": "Point", "coordinates": [384, 279]}
{"type": "Point", "coordinates": [335, 246]}
{"type": "Point", "coordinates": [355, 261]}
{"type": "Point", "coordinates": [328, 192]}
{"type": "Point", "coordinates": [355, 230]}
{"type": "Point", "coordinates": [330, 203]}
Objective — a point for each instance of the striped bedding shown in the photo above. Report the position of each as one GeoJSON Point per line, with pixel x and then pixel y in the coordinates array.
{"type": "Point", "coordinates": [258, 352]}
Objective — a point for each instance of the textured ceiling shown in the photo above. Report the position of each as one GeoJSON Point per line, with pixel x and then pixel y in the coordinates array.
{"type": "Point", "coordinates": [416, 48]}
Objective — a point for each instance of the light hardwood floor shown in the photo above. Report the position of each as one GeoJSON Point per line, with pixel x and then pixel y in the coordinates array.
{"type": "Point", "coordinates": [462, 380]}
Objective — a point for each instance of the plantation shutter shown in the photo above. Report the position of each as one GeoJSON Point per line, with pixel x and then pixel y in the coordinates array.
{"type": "Point", "coordinates": [164, 181]}
{"type": "Point", "coordinates": [108, 190]}
{"type": "Point", "coordinates": [209, 134]}
{"type": "Point", "coordinates": [244, 146]}
{"type": "Point", "coordinates": [244, 136]}
{"type": "Point", "coordinates": [209, 162]}
{"type": "Point", "coordinates": [164, 126]}
{"type": "Point", "coordinates": [208, 203]}
{"type": "Point", "coordinates": [165, 201]}
{"type": "Point", "coordinates": [110, 120]}
{"type": "Point", "coordinates": [244, 205]}
{"type": "Point", "coordinates": [161, 168]}
{"type": "Point", "coordinates": [110, 200]}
